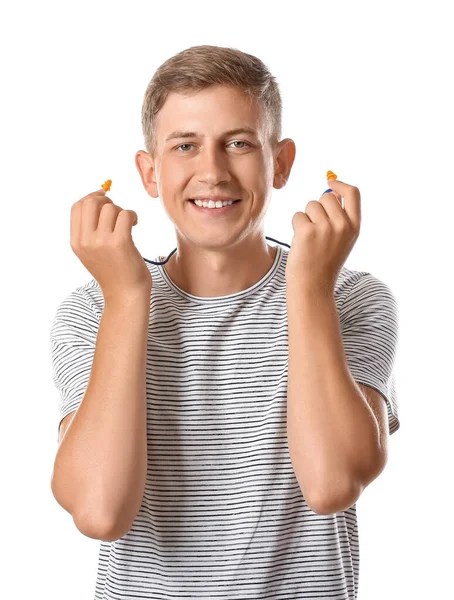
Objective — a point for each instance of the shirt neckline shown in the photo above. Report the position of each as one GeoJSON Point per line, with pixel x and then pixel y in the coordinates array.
{"type": "Point", "coordinates": [216, 300]}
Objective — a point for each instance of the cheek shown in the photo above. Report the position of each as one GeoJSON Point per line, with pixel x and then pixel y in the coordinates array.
{"type": "Point", "coordinates": [173, 176]}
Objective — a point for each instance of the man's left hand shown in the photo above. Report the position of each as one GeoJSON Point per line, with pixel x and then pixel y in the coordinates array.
{"type": "Point", "coordinates": [323, 237]}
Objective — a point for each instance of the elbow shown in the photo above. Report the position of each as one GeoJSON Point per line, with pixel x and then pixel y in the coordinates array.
{"type": "Point", "coordinates": [95, 528]}
{"type": "Point", "coordinates": [341, 493]}
{"type": "Point", "coordinates": [100, 529]}
{"type": "Point", "coordinates": [328, 502]}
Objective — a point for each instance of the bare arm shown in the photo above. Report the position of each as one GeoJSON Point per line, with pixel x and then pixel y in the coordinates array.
{"type": "Point", "coordinates": [333, 435]}
{"type": "Point", "coordinates": [101, 464]}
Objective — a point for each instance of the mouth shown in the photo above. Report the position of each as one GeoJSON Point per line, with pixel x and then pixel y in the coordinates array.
{"type": "Point", "coordinates": [215, 211]}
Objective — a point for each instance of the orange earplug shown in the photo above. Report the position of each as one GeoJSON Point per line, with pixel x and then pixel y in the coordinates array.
{"type": "Point", "coordinates": [331, 175]}
{"type": "Point", "coordinates": [106, 185]}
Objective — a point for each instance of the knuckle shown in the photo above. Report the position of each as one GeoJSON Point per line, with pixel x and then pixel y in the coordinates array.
{"type": "Point", "coordinates": [117, 241]}
{"type": "Point", "coordinates": [93, 199]}
{"type": "Point", "coordinates": [109, 206]}
{"type": "Point", "coordinates": [90, 240]}
{"type": "Point", "coordinates": [107, 240]}
{"type": "Point", "coordinates": [345, 225]}
{"type": "Point", "coordinates": [83, 243]}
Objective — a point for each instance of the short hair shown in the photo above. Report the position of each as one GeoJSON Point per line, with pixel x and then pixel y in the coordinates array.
{"type": "Point", "coordinates": [200, 67]}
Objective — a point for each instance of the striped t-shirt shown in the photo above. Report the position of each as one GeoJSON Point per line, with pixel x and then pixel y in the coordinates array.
{"type": "Point", "coordinates": [222, 514]}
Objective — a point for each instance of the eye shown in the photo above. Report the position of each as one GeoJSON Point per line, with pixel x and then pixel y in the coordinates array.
{"type": "Point", "coordinates": [234, 142]}
{"type": "Point", "coordinates": [239, 142]}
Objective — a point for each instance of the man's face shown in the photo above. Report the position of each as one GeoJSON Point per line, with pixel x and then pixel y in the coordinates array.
{"type": "Point", "coordinates": [238, 165]}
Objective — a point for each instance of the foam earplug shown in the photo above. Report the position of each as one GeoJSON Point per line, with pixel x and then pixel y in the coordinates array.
{"type": "Point", "coordinates": [106, 185]}
{"type": "Point", "coordinates": [331, 175]}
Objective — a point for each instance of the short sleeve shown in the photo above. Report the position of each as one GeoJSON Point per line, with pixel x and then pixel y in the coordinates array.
{"type": "Point", "coordinates": [369, 320]}
{"type": "Point", "coordinates": [73, 337]}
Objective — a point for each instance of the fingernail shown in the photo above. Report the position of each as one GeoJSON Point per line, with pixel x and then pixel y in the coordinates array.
{"type": "Point", "coordinates": [326, 191]}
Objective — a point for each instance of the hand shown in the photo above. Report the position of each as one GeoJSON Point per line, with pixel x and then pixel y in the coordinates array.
{"type": "Point", "coordinates": [324, 237]}
{"type": "Point", "coordinates": [101, 239]}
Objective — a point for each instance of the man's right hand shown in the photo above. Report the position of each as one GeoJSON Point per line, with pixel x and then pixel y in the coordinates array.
{"type": "Point", "coordinates": [101, 239]}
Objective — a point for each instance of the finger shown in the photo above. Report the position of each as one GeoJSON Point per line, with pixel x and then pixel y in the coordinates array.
{"type": "Point", "coordinates": [332, 203]}
{"type": "Point", "coordinates": [107, 215]}
{"type": "Point", "coordinates": [335, 194]}
{"type": "Point", "coordinates": [74, 232]}
{"type": "Point", "coordinates": [126, 220]}
{"type": "Point", "coordinates": [93, 215]}
{"type": "Point", "coordinates": [352, 200]}
{"type": "Point", "coordinates": [76, 217]}
{"type": "Point", "coordinates": [95, 193]}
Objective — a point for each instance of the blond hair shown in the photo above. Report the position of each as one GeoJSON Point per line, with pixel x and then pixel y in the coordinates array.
{"type": "Point", "coordinates": [199, 67]}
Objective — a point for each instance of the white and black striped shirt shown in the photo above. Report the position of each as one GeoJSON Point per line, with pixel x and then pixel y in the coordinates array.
{"type": "Point", "coordinates": [223, 515]}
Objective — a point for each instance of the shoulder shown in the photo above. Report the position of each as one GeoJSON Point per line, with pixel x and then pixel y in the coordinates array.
{"type": "Point", "coordinates": [85, 298]}
{"type": "Point", "coordinates": [362, 289]}
{"type": "Point", "coordinates": [80, 312]}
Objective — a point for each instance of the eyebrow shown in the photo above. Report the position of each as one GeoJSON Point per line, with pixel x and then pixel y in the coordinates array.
{"type": "Point", "coordinates": [186, 134]}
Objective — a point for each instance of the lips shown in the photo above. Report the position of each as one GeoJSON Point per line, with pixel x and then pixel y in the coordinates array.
{"type": "Point", "coordinates": [215, 213]}
{"type": "Point", "coordinates": [234, 202]}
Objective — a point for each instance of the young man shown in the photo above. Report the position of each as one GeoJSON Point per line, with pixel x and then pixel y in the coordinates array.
{"type": "Point", "coordinates": [239, 406]}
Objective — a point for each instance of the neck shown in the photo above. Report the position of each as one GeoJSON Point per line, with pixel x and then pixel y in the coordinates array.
{"type": "Point", "coordinates": [207, 273]}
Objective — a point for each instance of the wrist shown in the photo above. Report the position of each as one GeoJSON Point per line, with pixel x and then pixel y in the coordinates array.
{"type": "Point", "coordinates": [309, 289]}
{"type": "Point", "coordinates": [131, 298]}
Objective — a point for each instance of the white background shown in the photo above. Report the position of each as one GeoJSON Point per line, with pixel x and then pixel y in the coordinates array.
{"type": "Point", "coordinates": [367, 93]}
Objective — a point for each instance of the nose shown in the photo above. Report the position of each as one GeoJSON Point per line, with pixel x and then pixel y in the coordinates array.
{"type": "Point", "coordinates": [213, 165]}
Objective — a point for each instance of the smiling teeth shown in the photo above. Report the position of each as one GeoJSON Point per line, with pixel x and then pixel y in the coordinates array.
{"type": "Point", "coordinates": [213, 204]}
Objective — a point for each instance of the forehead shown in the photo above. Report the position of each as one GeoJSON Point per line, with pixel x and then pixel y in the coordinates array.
{"type": "Point", "coordinates": [217, 108]}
